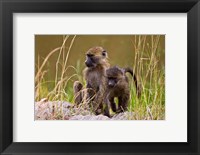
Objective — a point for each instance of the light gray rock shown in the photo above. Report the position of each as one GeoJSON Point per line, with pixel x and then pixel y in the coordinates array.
{"type": "Point", "coordinates": [61, 110]}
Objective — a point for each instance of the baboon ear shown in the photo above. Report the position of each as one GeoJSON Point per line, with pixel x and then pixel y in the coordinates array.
{"type": "Point", "coordinates": [123, 71]}
{"type": "Point", "coordinates": [104, 53]}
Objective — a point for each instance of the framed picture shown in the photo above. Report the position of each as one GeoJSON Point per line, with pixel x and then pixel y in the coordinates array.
{"type": "Point", "coordinates": [79, 76]}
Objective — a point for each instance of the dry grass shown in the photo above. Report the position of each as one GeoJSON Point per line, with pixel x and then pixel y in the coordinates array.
{"type": "Point", "coordinates": [61, 78]}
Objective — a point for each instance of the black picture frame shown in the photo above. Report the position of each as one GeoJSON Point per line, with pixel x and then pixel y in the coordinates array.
{"type": "Point", "coordinates": [8, 7]}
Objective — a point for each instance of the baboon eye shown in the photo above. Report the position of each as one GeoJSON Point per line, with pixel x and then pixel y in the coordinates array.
{"type": "Point", "coordinates": [104, 53]}
{"type": "Point", "coordinates": [90, 55]}
{"type": "Point", "coordinates": [112, 78]}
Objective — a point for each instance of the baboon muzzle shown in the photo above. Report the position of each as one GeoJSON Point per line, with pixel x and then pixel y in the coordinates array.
{"type": "Point", "coordinates": [111, 83]}
{"type": "Point", "coordinates": [88, 63]}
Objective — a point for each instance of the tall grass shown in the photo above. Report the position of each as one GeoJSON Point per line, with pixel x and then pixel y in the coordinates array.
{"type": "Point", "coordinates": [58, 92]}
{"type": "Point", "coordinates": [151, 77]}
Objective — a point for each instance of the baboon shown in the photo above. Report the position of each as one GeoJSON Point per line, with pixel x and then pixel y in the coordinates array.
{"type": "Point", "coordinates": [96, 64]}
{"type": "Point", "coordinates": [118, 87]}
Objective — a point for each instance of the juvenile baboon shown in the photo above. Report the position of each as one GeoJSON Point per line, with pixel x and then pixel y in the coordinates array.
{"type": "Point", "coordinates": [96, 64]}
{"type": "Point", "coordinates": [118, 87]}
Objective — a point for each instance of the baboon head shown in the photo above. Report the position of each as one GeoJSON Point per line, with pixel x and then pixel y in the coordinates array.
{"type": "Point", "coordinates": [114, 75]}
{"type": "Point", "coordinates": [96, 56]}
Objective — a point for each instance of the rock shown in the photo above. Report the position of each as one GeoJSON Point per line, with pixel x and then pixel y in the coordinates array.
{"type": "Point", "coordinates": [89, 117]}
{"type": "Point", "coordinates": [61, 110]}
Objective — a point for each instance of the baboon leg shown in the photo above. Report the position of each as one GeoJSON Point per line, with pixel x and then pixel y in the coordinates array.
{"type": "Point", "coordinates": [98, 100]}
{"type": "Point", "coordinates": [99, 110]}
{"type": "Point", "coordinates": [107, 107]}
{"type": "Point", "coordinates": [77, 92]}
{"type": "Point", "coordinates": [90, 93]}
{"type": "Point", "coordinates": [87, 95]}
{"type": "Point", "coordinates": [107, 111]}
{"type": "Point", "coordinates": [77, 87]}
{"type": "Point", "coordinates": [113, 105]}
{"type": "Point", "coordinates": [123, 104]}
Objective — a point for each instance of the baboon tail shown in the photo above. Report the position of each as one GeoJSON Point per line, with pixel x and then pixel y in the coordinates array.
{"type": "Point", "coordinates": [138, 89]}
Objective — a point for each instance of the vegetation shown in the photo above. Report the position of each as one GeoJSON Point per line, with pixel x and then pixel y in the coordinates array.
{"type": "Point", "coordinates": [147, 66]}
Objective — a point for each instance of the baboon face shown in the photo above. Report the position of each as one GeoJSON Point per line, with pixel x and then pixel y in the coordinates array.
{"type": "Point", "coordinates": [114, 75]}
{"type": "Point", "coordinates": [112, 82]}
{"type": "Point", "coordinates": [95, 56]}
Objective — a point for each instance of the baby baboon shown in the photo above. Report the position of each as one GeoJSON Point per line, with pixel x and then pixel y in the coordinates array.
{"type": "Point", "coordinates": [96, 64]}
{"type": "Point", "coordinates": [118, 87]}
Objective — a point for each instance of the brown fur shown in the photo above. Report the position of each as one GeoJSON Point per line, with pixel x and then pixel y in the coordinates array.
{"type": "Point", "coordinates": [94, 74]}
{"type": "Point", "coordinates": [118, 86]}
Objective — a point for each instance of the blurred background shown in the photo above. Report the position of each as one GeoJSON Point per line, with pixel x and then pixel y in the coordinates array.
{"type": "Point", "coordinates": [121, 48]}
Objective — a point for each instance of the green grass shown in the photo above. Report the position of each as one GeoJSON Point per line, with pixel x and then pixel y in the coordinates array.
{"type": "Point", "coordinates": [151, 104]}
{"type": "Point", "coordinates": [150, 73]}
